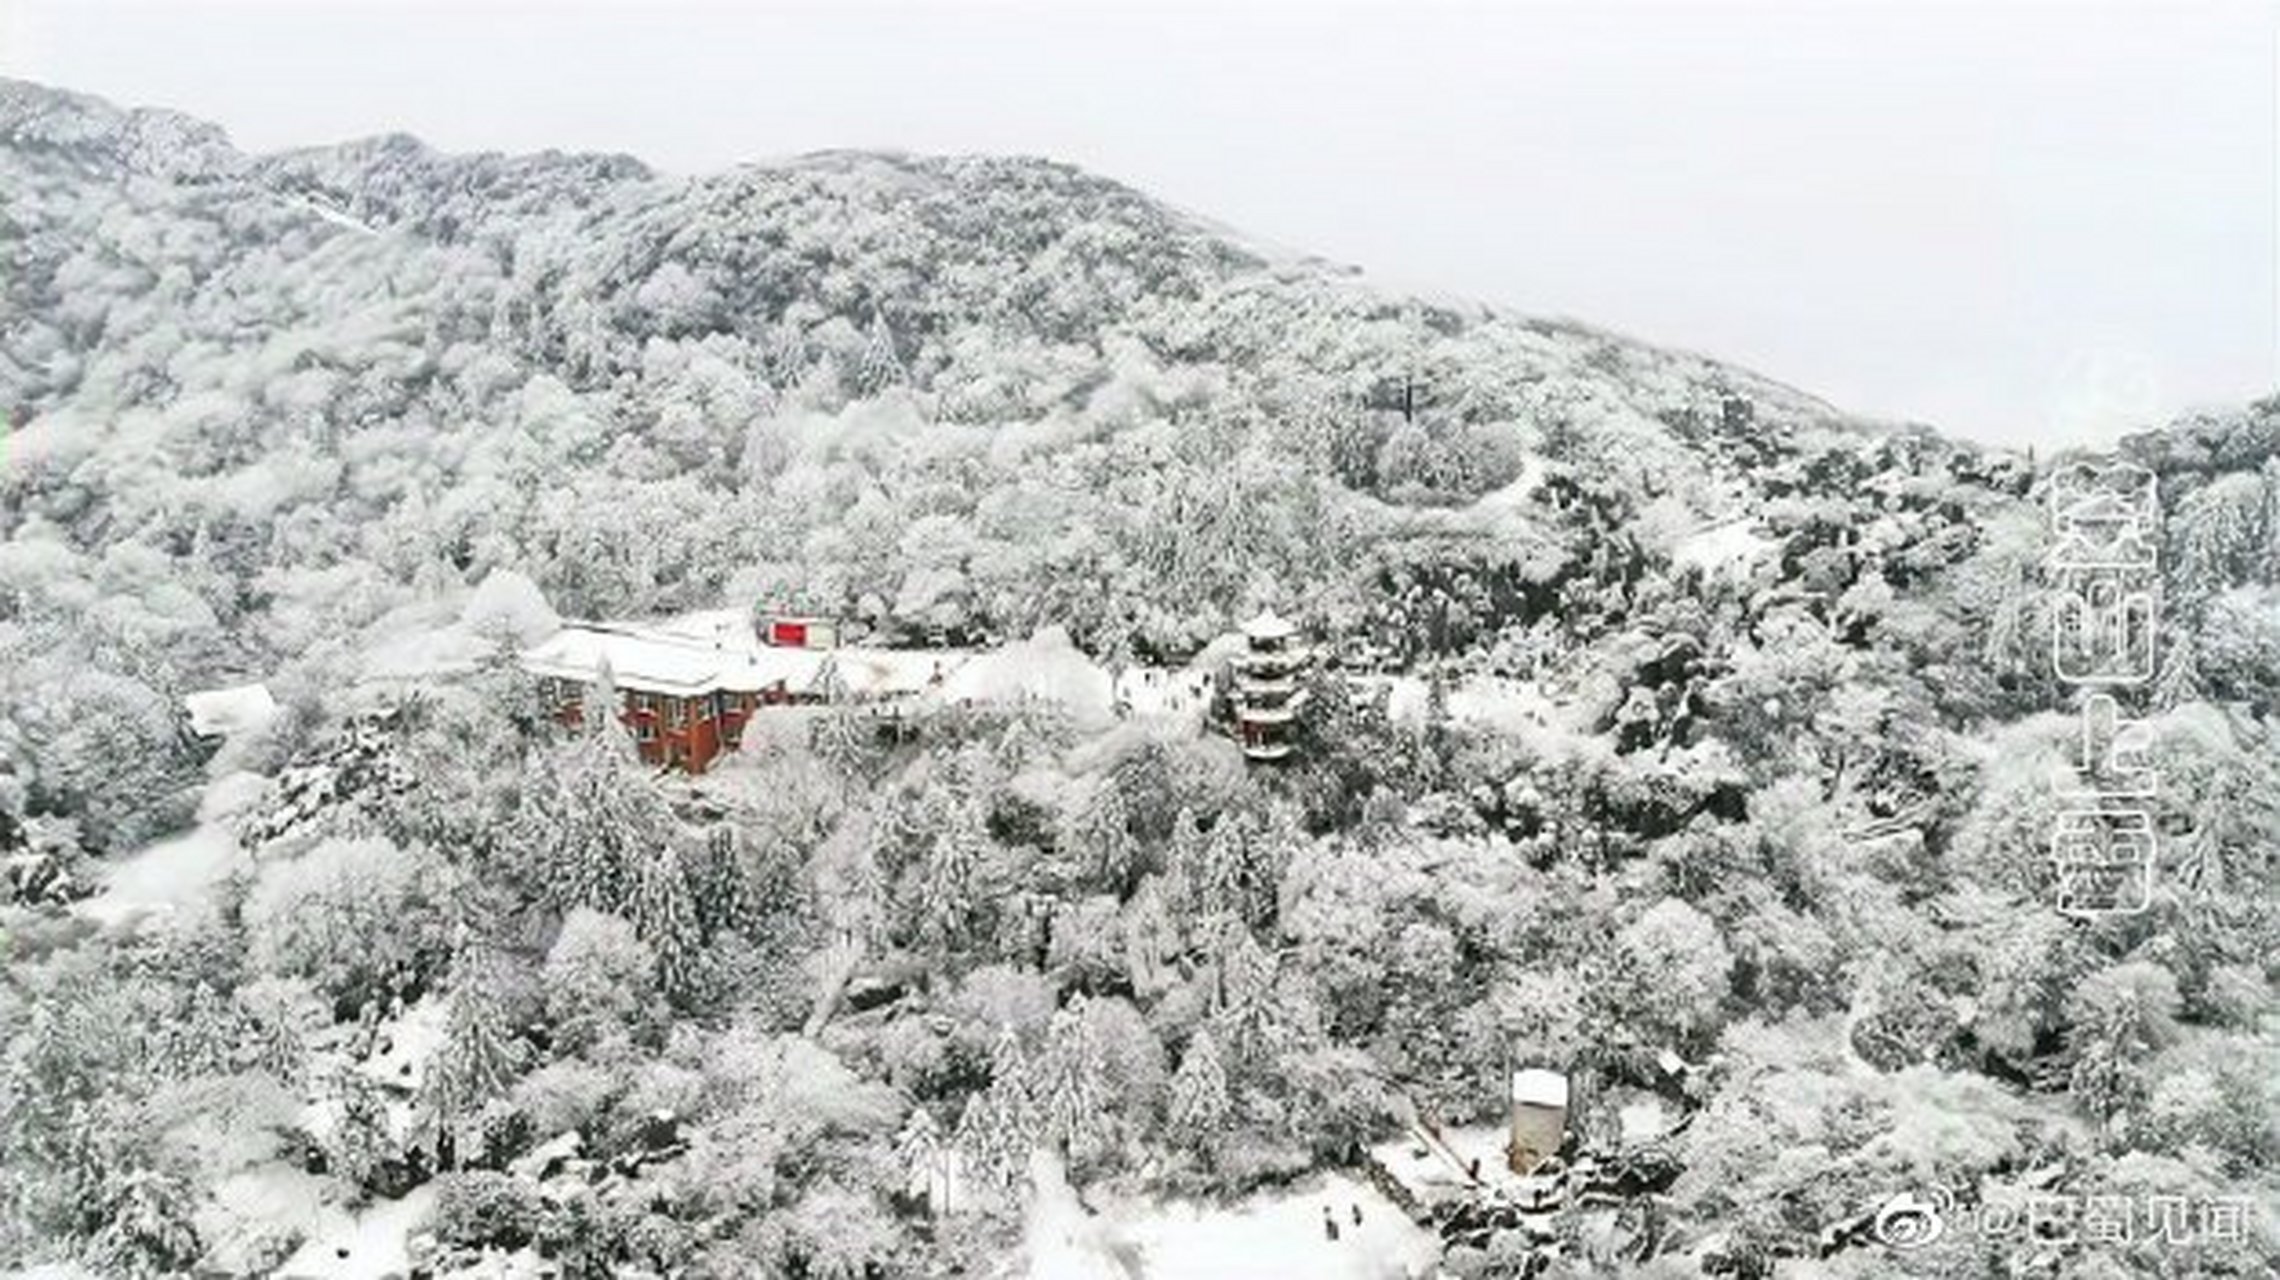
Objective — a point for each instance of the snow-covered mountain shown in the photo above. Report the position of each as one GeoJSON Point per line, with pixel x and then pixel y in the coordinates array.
{"type": "Point", "coordinates": [202, 343]}
{"type": "Point", "coordinates": [1676, 717]}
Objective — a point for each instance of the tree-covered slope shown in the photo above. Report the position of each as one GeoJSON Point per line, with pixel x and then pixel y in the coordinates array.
{"type": "Point", "coordinates": [1726, 728]}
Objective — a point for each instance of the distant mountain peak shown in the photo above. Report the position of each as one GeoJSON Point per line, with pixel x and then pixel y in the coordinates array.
{"type": "Point", "coordinates": [104, 137]}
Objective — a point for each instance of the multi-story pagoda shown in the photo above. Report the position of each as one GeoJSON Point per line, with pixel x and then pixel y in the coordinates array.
{"type": "Point", "coordinates": [1267, 692]}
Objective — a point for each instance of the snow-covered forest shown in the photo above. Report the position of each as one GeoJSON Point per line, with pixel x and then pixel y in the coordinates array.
{"type": "Point", "coordinates": [1672, 716]}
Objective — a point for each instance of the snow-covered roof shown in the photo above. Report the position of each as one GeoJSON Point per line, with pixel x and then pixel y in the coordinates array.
{"type": "Point", "coordinates": [1269, 626]}
{"type": "Point", "coordinates": [631, 659]}
{"type": "Point", "coordinates": [1535, 1086]}
{"type": "Point", "coordinates": [701, 653]}
{"type": "Point", "coordinates": [237, 709]}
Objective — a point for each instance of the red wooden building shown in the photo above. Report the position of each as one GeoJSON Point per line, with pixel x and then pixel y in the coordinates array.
{"type": "Point", "coordinates": [684, 700]}
{"type": "Point", "coordinates": [686, 690]}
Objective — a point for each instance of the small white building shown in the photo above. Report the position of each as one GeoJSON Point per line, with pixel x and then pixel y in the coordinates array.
{"type": "Point", "coordinates": [225, 713]}
{"type": "Point", "coordinates": [1539, 1117]}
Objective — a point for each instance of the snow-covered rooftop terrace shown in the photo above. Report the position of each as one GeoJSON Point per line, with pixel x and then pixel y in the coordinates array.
{"type": "Point", "coordinates": [719, 650]}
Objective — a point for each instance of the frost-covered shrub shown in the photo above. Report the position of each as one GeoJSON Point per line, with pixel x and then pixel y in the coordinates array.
{"type": "Point", "coordinates": [361, 919]}
{"type": "Point", "coordinates": [482, 1209]}
{"type": "Point", "coordinates": [1683, 969]}
{"type": "Point", "coordinates": [509, 605]}
{"type": "Point", "coordinates": [598, 981]}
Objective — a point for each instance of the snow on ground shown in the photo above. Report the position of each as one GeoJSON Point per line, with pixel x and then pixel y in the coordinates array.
{"type": "Point", "coordinates": [1517, 707]}
{"type": "Point", "coordinates": [1516, 495]}
{"type": "Point", "coordinates": [239, 709]}
{"type": "Point", "coordinates": [424, 654]}
{"type": "Point", "coordinates": [1732, 545]}
{"type": "Point", "coordinates": [259, 1203]}
{"type": "Point", "coordinates": [522, 1264]}
{"type": "Point", "coordinates": [407, 1042]}
{"type": "Point", "coordinates": [1046, 666]}
{"type": "Point", "coordinates": [1271, 1237]}
{"type": "Point", "coordinates": [1178, 693]}
{"type": "Point", "coordinates": [176, 874]}
{"type": "Point", "coordinates": [1063, 1240]}
{"type": "Point", "coordinates": [328, 213]}
{"type": "Point", "coordinates": [368, 1245]}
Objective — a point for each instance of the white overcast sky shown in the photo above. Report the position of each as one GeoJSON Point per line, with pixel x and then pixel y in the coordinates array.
{"type": "Point", "coordinates": [2021, 222]}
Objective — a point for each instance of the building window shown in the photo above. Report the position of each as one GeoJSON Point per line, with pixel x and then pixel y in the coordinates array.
{"type": "Point", "coordinates": [646, 731]}
{"type": "Point", "coordinates": [673, 708]}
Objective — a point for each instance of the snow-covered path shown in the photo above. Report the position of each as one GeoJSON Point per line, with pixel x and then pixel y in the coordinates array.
{"type": "Point", "coordinates": [1272, 1236]}
{"type": "Point", "coordinates": [1276, 1236]}
{"type": "Point", "coordinates": [175, 874]}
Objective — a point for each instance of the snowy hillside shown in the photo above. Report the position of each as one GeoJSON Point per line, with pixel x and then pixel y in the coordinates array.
{"type": "Point", "coordinates": [1623, 716]}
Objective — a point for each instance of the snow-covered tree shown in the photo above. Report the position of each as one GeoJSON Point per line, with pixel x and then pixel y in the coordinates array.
{"type": "Point", "coordinates": [878, 366]}
{"type": "Point", "coordinates": [599, 980]}
{"type": "Point", "coordinates": [1099, 836]}
{"type": "Point", "coordinates": [666, 920]}
{"type": "Point", "coordinates": [1070, 1089]}
{"type": "Point", "coordinates": [590, 820]}
{"type": "Point", "coordinates": [1002, 1124]}
{"type": "Point", "coordinates": [927, 1158]}
{"type": "Point", "coordinates": [948, 885]}
{"type": "Point", "coordinates": [478, 1058]}
{"type": "Point", "coordinates": [2180, 681]}
{"type": "Point", "coordinates": [1200, 1109]}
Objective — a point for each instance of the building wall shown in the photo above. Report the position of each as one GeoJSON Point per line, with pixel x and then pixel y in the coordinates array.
{"type": "Point", "coordinates": [689, 733]}
{"type": "Point", "coordinates": [1536, 1134]}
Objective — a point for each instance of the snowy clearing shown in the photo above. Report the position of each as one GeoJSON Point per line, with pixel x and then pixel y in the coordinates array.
{"type": "Point", "coordinates": [1732, 546]}
{"type": "Point", "coordinates": [360, 1246]}
{"type": "Point", "coordinates": [176, 874]}
{"type": "Point", "coordinates": [1271, 1236]}
{"type": "Point", "coordinates": [1275, 1236]}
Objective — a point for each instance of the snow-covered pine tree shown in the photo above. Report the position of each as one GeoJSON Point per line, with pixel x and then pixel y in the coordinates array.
{"type": "Point", "coordinates": [2003, 621]}
{"type": "Point", "coordinates": [921, 1150]}
{"type": "Point", "coordinates": [1222, 884]}
{"type": "Point", "coordinates": [2180, 680]}
{"type": "Point", "coordinates": [947, 883]}
{"type": "Point", "coordinates": [147, 1230]}
{"type": "Point", "coordinates": [842, 737]}
{"type": "Point", "coordinates": [478, 1057]}
{"type": "Point", "coordinates": [1099, 837]}
{"type": "Point", "coordinates": [360, 1138]}
{"type": "Point", "coordinates": [599, 706]}
{"type": "Point", "coordinates": [1071, 1092]}
{"type": "Point", "coordinates": [1268, 852]}
{"type": "Point", "coordinates": [1200, 1108]}
{"type": "Point", "coordinates": [879, 366]}
{"type": "Point", "coordinates": [665, 917]}
{"type": "Point", "coordinates": [1151, 940]}
{"type": "Point", "coordinates": [1184, 869]}
{"type": "Point", "coordinates": [1000, 1126]}
{"type": "Point", "coordinates": [719, 887]}
{"type": "Point", "coordinates": [1245, 1013]}
{"type": "Point", "coordinates": [588, 818]}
